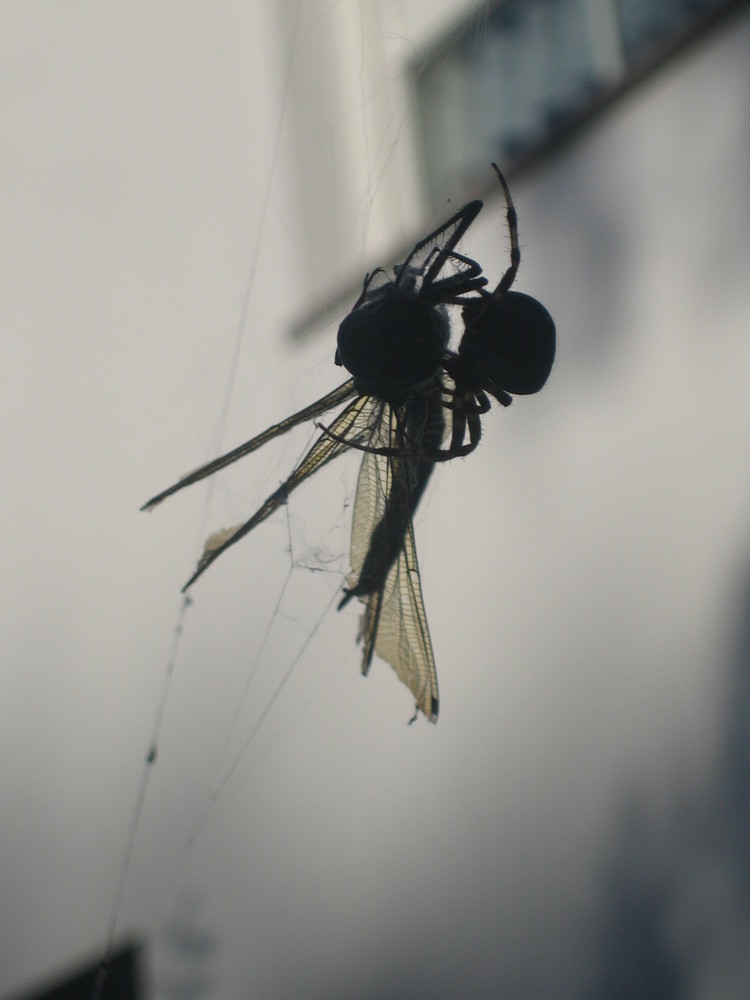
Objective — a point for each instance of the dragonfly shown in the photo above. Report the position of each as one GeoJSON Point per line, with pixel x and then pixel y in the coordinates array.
{"type": "Point", "coordinates": [404, 382]}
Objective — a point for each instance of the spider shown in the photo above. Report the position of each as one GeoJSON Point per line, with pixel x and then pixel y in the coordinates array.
{"type": "Point", "coordinates": [508, 345]}
{"type": "Point", "coordinates": [394, 343]}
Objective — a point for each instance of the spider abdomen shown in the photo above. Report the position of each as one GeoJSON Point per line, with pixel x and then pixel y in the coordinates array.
{"type": "Point", "coordinates": [508, 342]}
{"type": "Point", "coordinates": [393, 345]}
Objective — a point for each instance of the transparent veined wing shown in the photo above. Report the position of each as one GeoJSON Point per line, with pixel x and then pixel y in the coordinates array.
{"type": "Point", "coordinates": [385, 573]}
{"type": "Point", "coordinates": [352, 424]}
{"type": "Point", "coordinates": [339, 395]}
{"type": "Point", "coordinates": [394, 625]}
{"type": "Point", "coordinates": [430, 255]}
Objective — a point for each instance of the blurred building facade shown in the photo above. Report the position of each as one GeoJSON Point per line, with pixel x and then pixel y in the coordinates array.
{"type": "Point", "coordinates": [537, 86]}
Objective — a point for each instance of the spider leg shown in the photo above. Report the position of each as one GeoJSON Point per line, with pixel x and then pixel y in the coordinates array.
{"type": "Point", "coordinates": [467, 407]}
{"type": "Point", "coordinates": [446, 290]}
{"type": "Point", "coordinates": [465, 415]}
{"type": "Point", "coordinates": [479, 404]}
{"type": "Point", "coordinates": [483, 404]}
{"type": "Point", "coordinates": [413, 451]}
{"type": "Point", "coordinates": [325, 403]}
{"type": "Point", "coordinates": [515, 253]}
{"type": "Point", "coordinates": [503, 397]}
{"type": "Point", "coordinates": [458, 298]}
{"type": "Point", "coordinates": [459, 421]}
{"type": "Point", "coordinates": [365, 287]}
{"type": "Point", "coordinates": [461, 220]}
{"type": "Point", "coordinates": [473, 269]}
{"type": "Point", "coordinates": [392, 451]}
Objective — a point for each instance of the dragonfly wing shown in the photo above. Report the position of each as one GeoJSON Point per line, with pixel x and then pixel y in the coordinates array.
{"type": "Point", "coordinates": [352, 423]}
{"type": "Point", "coordinates": [385, 573]}
{"type": "Point", "coordinates": [344, 392]}
{"type": "Point", "coordinates": [373, 488]}
{"type": "Point", "coordinates": [394, 625]}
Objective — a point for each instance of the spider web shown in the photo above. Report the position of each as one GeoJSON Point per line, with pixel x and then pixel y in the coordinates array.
{"type": "Point", "coordinates": [582, 573]}
{"type": "Point", "coordinates": [241, 743]}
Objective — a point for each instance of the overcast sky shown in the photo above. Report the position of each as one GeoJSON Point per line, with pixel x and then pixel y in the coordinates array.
{"type": "Point", "coordinates": [585, 572]}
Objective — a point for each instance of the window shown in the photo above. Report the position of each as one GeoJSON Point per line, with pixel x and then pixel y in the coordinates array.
{"type": "Point", "coordinates": [504, 86]}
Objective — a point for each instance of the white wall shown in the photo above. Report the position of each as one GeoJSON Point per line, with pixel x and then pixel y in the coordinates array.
{"type": "Point", "coordinates": [585, 571]}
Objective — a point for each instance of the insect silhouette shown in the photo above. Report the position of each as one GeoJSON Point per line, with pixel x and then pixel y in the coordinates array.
{"type": "Point", "coordinates": [404, 380]}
